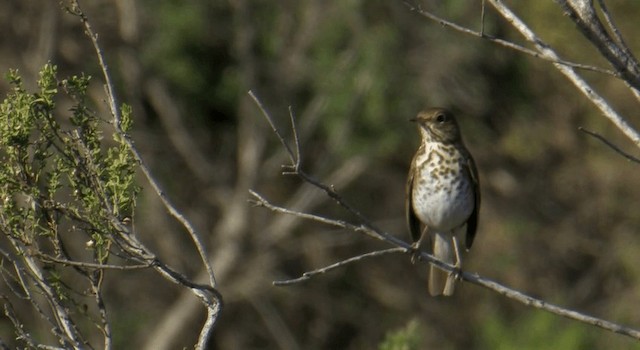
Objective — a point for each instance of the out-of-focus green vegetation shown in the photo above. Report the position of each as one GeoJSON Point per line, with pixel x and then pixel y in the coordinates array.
{"type": "Point", "coordinates": [534, 330]}
{"type": "Point", "coordinates": [557, 221]}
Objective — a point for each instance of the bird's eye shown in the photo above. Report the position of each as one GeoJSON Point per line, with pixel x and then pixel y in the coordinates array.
{"type": "Point", "coordinates": [441, 118]}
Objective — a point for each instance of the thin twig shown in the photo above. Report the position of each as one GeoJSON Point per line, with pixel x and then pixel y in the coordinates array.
{"type": "Point", "coordinates": [105, 325]}
{"type": "Point", "coordinates": [480, 34]}
{"type": "Point", "coordinates": [307, 275]}
{"type": "Point", "coordinates": [275, 130]}
{"type": "Point", "coordinates": [610, 144]}
{"type": "Point", "coordinates": [621, 43]}
{"type": "Point", "coordinates": [482, 12]}
{"type": "Point", "coordinates": [17, 325]}
{"type": "Point", "coordinates": [208, 294]}
{"type": "Point", "coordinates": [260, 201]}
{"type": "Point", "coordinates": [297, 170]}
{"type": "Point", "coordinates": [49, 258]}
{"type": "Point", "coordinates": [296, 139]}
{"type": "Point", "coordinates": [583, 15]}
{"type": "Point", "coordinates": [116, 115]}
{"type": "Point", "coordinates": [546, 53]}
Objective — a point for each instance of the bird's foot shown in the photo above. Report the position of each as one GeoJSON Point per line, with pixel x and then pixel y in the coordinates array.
{"type": "Point", "coordinates": [415, 252]}
{"type": "Point", "coordinates": [457, 272]}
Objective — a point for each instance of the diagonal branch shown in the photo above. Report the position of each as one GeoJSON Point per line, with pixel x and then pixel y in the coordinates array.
{"type": "Point", "coordinates": [402, 246]}
{"type": "Point", "coordinates": [508, 44]}
{"type": "Point", "coordinates": [472, 278]}
{"type": "Point", "coordinates": [307, 275]}
{"type": "Point", "coordinates": [583, 14]}
{"type": "Point", "coordinates": [568, 72]}
{"type": "Point", "coordinates": [115, 111]}
{"type": "Point", "coordinates": [545, 52]}
{"type": "Point", "coordinates": [610, 144]}
{"type": "Point", "coordinates": [208, 294]}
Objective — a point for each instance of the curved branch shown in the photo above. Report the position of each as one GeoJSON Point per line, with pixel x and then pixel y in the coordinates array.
{"type": "Point", "coordinates": [208, 294]}
{"type": "Point", "coordinates": [610, 144]}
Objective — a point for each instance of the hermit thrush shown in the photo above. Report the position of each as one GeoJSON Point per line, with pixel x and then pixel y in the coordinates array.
{"type": "Point", "coordinates": [443, 194]}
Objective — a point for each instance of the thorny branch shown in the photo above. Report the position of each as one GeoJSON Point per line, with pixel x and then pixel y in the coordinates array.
{"type": "Point", "coordinates": [404, 247]}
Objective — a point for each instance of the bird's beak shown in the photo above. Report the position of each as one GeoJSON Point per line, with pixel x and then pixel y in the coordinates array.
{"type": "Point", "coordinates": [413, 120]}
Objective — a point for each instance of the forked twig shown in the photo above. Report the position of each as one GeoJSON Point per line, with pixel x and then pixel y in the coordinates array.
{"type": "Point", "coordinates": [296, 169]}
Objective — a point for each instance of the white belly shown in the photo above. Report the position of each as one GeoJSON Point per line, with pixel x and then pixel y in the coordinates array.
{"type": "Point", "coordinates": [441, 202]}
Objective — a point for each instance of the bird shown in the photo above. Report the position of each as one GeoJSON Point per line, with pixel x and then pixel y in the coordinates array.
{"type": "Point", "coordinates": [442, 195]}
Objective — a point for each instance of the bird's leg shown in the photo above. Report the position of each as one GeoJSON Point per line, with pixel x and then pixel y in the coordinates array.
{"type": "Point", "coordinates": [415, 247]}
{"type": "Point", "coordinates": [415, 251]}
{"type": "Point", "coordinates": [458, 264]}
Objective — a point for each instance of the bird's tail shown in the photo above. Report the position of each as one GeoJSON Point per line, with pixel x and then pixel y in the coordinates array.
{"type": "Point", "coordinates": [442, 282]}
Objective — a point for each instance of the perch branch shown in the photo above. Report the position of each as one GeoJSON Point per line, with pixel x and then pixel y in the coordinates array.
{"type": "Point", "coordinates": [402, 246]}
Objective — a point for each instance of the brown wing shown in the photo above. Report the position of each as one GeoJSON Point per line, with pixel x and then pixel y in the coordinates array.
{"type": "Point", "coordinates": [472, 223]}
{"type": "Point", "coordinates": [412, 220]}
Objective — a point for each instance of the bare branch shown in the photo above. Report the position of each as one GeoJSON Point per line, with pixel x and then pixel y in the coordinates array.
{"type": "Point", "coordinates": [404, 247]}
{"type": "Point", "coordinates": [116, 115]}
{"type": "Point", "coordinates": [401, 246]}
{"type": "Point", "coordinates": [49, 258]}
{"type": "Point", "coordinates": [292, 156]}
{"type": "Point", "coordinates": [568, 71]}
{"type": "Point", "coordinates": [583, 14]}
{"type": "Point", "coordinates": [329, 190]}
{"type": "Point", "coordinates": [543, 305]}
{"type": "Point", "coordinates": [546, 53]}
{"type": "Point", "coordinates": [610, 144]}
{"type": "Point", "coordinates": [208, 294]}
{"type": "Point", "coordinates": [307, 275]}
{"type": "Point", "coordinates": [481, 34]}
{"type": "Point", "coordinates": [614, 29]}
{"type": "Point", "coordinates": [263, 202]}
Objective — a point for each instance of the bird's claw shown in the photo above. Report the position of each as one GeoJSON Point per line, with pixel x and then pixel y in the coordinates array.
{"type": "Point", "coordinates": [415, 252]}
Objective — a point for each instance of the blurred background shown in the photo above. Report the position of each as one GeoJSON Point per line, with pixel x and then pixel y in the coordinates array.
{"type": "Point", "coordinates": [558, 219]}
